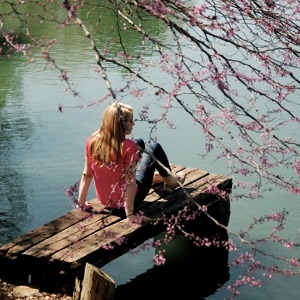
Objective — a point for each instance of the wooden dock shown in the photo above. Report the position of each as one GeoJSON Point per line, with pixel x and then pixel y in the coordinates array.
{"type": "Point", "coordinates": [54, 255]}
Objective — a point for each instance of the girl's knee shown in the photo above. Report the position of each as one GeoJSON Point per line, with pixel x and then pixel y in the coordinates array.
{"type": "Point", "coordinates": [140, 142]}
{"type": "Point", "coordinates": [154, 146]}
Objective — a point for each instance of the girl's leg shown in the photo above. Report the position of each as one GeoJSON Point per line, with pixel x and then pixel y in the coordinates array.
{"type": "Point", "coordinates": [141, 144]}
{"type": "Point", "coordinates": [146, 167]}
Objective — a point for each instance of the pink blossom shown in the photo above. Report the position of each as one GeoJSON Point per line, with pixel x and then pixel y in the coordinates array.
{"type": "Point", "coordinates": [159, 259]}
{"type": "Point", "coordinates": [244, 171]}
{"type": "Point", "coordinates": [289, 245]}
{"type": "Point", "coordinates": [295, 190]}
{"type": "Point", "coordinates": [296, 166]}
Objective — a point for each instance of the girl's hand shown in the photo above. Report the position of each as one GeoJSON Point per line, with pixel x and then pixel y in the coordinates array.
{"type": "Point", "coordinates": [86, 207]}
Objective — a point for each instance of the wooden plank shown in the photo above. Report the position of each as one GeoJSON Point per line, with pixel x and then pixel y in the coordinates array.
{"type": "Point", "coordinates": [71, 235]}
{"type": "Point", "coordinates": [98, 241]}
{"type": "Point", "coordinates": [25, 241]}
{"type": "Point", "coordinates": [156, 193]}
{"type": "Point", "coordinates": [194, 191]}
{"type": "Point", "coordinates": [83, 247]}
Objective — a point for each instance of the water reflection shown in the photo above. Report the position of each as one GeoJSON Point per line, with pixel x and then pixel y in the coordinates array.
{"type": "Point", "coordinates": [15, 130]}
{"type": "Point", "coordinates": [13, 200]}
{"type": "Point", "coordinates": [190, 272]}
{"type": "Point", "coordinates": [14, 213]}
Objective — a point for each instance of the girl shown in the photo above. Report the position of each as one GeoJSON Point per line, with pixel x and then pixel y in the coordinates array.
{"type": "Point", "coordinates": [123, 169]}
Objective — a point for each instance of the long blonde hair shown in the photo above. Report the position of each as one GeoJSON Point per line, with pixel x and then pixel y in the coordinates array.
{"type": "Point", "coordinates": [105, 144]}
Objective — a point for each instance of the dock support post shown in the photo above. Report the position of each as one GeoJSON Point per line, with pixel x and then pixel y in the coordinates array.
{"type": "Point", "coordinates": [96, 284]}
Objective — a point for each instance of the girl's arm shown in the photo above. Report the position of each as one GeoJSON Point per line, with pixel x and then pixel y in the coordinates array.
{"type": "Point", "coordinates": [131, 190]}
{"type": "Point", "coordinates": [85, 182]}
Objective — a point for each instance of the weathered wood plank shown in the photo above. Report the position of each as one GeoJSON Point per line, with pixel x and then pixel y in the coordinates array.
{"type": "Point", "coordinates": [192, 174]}
{"type": "Point", "coordinates": [93, 223]}
{"type": "Point", "coordinates": [163, 206]}
{"type": "Point", "coordinates": [39, 234]}
{"type": "Point", "coordinates": [190, 193]}
{"type": "Point", "coordinates": [98, 240]}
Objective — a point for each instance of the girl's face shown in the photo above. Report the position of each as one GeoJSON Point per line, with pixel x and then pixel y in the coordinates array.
{"type": "Point", "coordinates": [129, 125]}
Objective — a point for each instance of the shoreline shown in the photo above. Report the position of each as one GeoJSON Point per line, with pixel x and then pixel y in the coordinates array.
{"type": "Point", "coordinates": [10, 291]}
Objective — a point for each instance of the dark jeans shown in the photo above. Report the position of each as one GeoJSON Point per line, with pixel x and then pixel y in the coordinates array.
{"type": "Point", "coordinates": [150, 154]}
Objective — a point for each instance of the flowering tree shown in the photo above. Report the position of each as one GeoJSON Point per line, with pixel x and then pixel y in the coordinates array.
{"type": "Point", "coordinates": [231, 65]}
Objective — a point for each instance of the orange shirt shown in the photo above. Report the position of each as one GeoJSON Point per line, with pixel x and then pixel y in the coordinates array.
{"type": "Point", "coordinates": [109, 179]}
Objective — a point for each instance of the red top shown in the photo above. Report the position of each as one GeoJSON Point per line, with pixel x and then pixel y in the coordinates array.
{"type": "Point", "coordinates": [109, 179]}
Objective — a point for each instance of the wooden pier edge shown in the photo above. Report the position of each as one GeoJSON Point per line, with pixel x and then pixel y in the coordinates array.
{"type": "Point", "coordinates": [67, 252]}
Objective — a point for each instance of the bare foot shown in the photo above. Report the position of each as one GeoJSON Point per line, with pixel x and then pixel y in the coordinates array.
{"type": "Point", "coordinates": [173, 181]}
{"type": "Point", "coordinates": [157, 178]}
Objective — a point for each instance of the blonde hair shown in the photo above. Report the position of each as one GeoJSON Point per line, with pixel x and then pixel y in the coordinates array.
{"type": "Point", "coordinates": [105, 144]}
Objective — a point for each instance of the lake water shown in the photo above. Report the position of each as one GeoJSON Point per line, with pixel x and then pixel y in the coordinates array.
{"type": "Point", "coordinates": [42, 154]}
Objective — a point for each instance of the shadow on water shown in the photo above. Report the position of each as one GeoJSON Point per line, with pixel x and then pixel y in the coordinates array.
{"type": "Point", "coordinates": [190, 272]}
